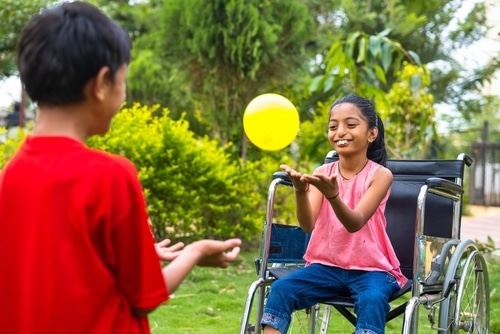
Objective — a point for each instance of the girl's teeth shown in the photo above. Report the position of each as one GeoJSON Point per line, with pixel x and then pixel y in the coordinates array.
{"type": "Point", "coordinates": [342, 142]}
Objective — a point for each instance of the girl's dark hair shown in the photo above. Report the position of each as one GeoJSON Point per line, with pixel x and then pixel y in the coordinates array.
{"type": "Point", "coordinates": [65, 46]}
{"type": "Point", "coordinates": [376, 149]}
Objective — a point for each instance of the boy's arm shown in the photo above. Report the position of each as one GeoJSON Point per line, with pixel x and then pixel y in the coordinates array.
{"type": "Point", "coordinates": [205, 253]}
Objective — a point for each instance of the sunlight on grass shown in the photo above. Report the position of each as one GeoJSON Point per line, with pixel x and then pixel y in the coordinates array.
{"type": "Point", "coordinates": [211, 301]}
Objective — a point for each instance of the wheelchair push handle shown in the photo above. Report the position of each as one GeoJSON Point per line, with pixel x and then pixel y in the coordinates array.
{"type": "Point", "coordinates": [468, 160]}
{"type": "Point", "coordinates": [283, 177]}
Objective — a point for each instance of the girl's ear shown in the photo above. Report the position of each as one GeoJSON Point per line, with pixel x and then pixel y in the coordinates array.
{"type": "Point", "coordinates": [372, 134]}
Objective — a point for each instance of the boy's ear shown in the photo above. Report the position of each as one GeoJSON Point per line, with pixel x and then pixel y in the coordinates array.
{"type": "Point", "coordinates": [101, 83]}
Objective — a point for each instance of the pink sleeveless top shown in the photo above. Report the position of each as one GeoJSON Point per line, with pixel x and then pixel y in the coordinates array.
{"type": "Point", "coordinates": [369, 248]}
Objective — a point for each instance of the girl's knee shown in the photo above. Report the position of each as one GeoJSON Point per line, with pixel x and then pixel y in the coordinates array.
{"type": "Point", "coordinates": [375, 296]}
{"type": "Point", "coordinates": [373, 300]}
{"type": "Point", "coordinates": [283, 288]}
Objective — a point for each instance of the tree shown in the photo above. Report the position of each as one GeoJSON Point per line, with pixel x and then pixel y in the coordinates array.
{"type": "Point", "coordinates": [14, 15]}
{"type": "Point", "coordinates": [436, 29]}
{"type": "Point", "coordinates": [234, 50]}
{"type": "Point", "coordinates": [152, 79]}
{"type": "Point", "coordinates": [460, 141]}
{"type": "Point", "coordinates": [410, 116]}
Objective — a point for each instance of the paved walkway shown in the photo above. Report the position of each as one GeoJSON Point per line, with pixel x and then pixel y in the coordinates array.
{"type": "Point", "coordinates": [484, 222]}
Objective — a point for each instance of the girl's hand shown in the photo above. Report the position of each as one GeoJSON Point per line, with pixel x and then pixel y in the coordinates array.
{"type": "Point", "coordinates": [296, 178]}
{"type": "Point", "coordinates": [326, 184]}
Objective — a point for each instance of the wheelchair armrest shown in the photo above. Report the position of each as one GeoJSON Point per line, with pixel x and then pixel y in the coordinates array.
{"type": "Point", "coordinates": [444, 185]}
{"type": "Point", "coordinates": [284, 177]}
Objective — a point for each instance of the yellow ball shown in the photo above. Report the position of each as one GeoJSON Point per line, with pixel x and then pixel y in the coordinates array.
{"type": "Point", "coordinates": [271, 122]}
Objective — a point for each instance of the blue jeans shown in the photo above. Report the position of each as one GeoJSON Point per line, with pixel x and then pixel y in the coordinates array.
{"type": "Point", "coordinates": [315, 283]}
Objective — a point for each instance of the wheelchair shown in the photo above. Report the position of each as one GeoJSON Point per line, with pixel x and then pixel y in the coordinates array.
{"type": "Point", "coordinates": [447, 276]}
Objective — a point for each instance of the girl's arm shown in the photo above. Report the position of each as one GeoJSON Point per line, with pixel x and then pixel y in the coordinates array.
{"type": "Point", "coordinates": [308, 200]}
{"type": "Point", "coordinates": [355, 219]}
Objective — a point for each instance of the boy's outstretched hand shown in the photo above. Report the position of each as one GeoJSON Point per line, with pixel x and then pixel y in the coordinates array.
{"type": "Point", "coordinates": [216, 253]}
{"type": "Point", "coordinates": [204, 253]}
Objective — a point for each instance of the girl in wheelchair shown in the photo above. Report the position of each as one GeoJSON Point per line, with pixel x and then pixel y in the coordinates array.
{"type": "Point", "coordinates": [343, 204]}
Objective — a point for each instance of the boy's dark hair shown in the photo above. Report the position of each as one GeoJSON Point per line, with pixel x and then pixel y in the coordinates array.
{"type": "Point", "coordinates": [64, 46]}
{"type": "Point", "coordinates": [376, 149]}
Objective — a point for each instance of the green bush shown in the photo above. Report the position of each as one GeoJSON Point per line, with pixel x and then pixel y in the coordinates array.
{"type": "Point", "coordinates": [192, 187]}
{"type": "Point", "coordinates": [9, 143]}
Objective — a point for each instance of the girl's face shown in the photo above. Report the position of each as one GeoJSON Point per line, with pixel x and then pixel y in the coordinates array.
{"type": "Point", "coordinates": [348, 129]}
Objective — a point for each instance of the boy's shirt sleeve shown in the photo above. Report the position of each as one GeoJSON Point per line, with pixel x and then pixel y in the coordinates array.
{"type": "Point", "coordinates": [138, 267]}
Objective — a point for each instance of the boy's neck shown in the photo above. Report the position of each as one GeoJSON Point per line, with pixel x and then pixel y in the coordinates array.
{"type": "Point", "coordinates": [61, 121]}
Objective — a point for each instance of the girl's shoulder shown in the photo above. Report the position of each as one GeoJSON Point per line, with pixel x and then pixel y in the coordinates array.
{"type": "Point", "coordinates": [375, 165]}
{"type": "Point", "coordinates": [374, 170]}
{"type": "Point", "coordinates": [378, 172]}
{"type": "Point", "coordinates": [378, 168]}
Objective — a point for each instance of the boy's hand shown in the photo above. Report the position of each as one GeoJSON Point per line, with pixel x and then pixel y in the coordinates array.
{"type": "Point", "coordinates": [216, 253]}
{"type": "Point", "coordinates": [166, 253]}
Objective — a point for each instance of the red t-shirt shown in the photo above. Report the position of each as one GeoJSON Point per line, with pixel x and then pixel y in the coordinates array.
{"type": "Point", "coordinates": [76, 249]}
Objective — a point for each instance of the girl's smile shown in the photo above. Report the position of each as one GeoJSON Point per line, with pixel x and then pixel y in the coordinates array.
{"type": "Point", "coordinates": [342, 142]}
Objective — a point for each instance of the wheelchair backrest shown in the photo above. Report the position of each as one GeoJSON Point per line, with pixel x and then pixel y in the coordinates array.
{"type": "Point", "coordinates": [401, 209]}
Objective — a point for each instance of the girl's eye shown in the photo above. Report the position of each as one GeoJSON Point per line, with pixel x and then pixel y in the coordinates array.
{"type": "Point", "coordinates": [332, 127]}
{"type": "Point", "coordinates": [352, 125]}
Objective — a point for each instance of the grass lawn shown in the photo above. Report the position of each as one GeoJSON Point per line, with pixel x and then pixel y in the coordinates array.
{"type": "Point", "coordinates": [211, 301]}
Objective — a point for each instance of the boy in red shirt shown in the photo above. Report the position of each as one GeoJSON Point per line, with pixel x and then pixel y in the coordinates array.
{"type": "Point", "coordinates": [77, 250]}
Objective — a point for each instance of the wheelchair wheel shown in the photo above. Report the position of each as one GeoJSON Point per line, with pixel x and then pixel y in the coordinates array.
{"type": "Point", "coordinates": [313, 320]}
{"type": "Point", "coordinates": [466, 310]}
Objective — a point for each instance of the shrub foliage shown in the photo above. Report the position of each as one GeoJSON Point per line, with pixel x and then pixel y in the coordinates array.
{"type": "Point", "coordinates": [192, 188]}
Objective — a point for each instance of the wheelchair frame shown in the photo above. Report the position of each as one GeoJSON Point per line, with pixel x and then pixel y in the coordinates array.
{"type": "Point", "coordinates": [447, 276]}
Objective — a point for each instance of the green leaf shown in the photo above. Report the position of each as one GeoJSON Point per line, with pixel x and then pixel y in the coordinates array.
{"type": "Point", "coordinates": [334, 49]}
{"type": "Point", "coordinates": [384, 32]}
{"type": "Point", "coordinates": [416, 82]}
{"type": "Point", "coordinates": [361, 50]}
{"type": "Point", "coordinates": [328, 83]}
{"type": "Point", "coordinates": [350, 43]}
{"type": "Point", "coordinates": [370, 73]}
{"type": "Point", "coordinates": [380, 74]}
{"type": "Point", "coordinates": [334, 60]}
{"type": "Point", "coordinates": [386, 56]}
{"type": "Point", "coordinates": [375, 46]}
{"type": "Point", "coordinates": [415, 57]}
{"type": "Point", "coordinates": [315, 84]}
{"type": "Point", "coordinates": [352, 37]}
